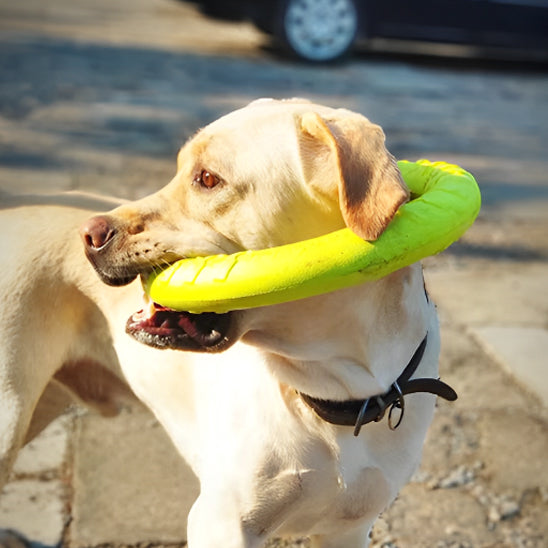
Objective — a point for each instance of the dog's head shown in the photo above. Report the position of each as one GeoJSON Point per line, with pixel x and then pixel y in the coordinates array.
{"type": "Point", "coordinates": [272, 173]}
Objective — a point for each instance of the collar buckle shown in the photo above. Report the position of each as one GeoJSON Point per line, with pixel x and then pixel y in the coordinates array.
{"type": "Point", "coordinates": [398, 403]}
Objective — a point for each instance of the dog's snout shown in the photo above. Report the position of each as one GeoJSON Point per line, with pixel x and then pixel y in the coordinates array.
{"type": "Point", "coordinates": [97, 232]}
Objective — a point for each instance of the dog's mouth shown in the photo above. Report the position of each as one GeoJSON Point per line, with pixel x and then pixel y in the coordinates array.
{"type": "Point", "coordinates": [161, 327]}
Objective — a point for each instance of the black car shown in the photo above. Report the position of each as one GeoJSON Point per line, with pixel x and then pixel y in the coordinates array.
{"type": "Point", "coordinates": [324, 30]}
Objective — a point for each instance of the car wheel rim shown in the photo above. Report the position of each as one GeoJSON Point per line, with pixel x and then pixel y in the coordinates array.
{"type": "Point", "coordinates": [320, 30]}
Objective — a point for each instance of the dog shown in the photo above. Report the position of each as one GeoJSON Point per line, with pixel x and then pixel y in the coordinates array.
{"type": "Point", "coordinates": [56, 343]}
{"type": "Point", "coordinates": [257, 401]}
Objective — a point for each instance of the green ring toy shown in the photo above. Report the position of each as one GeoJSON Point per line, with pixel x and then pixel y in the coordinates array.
{"type": "Point", "coordinates": [445, 202]}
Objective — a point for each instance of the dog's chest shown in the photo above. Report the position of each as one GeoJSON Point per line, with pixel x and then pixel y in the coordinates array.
{"type": "Point", "coordinates": [317, 496]}
{"type": "Point", "coordinates": [287, 474]}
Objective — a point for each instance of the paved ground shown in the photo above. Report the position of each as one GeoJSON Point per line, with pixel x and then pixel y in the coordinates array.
{"type": "Point", "coordinates": [98, 96]}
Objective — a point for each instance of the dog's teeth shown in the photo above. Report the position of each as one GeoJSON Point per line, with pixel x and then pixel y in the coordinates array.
{"type": "Point", "coordinates": [149, 310]}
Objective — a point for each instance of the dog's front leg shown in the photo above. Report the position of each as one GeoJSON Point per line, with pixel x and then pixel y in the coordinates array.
{"type": "Point", "coordinates": [214, 521]}
{"type": "Point", "coordinates": [15, 415]}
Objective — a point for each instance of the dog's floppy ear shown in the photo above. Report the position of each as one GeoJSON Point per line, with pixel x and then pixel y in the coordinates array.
{"type": "Point", "coordinates": [345, 155]}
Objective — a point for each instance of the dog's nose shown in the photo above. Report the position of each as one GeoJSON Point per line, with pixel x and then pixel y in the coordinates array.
{"type": "Point", "coordinates": [97, 232]}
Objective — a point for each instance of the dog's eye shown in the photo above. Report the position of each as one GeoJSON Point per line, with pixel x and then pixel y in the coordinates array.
{"type": "Point", "coordinates": [207, 179]}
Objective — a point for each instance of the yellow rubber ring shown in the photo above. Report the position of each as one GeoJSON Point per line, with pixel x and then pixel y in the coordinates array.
{"type": "Point", "coordinates": [445, 202]}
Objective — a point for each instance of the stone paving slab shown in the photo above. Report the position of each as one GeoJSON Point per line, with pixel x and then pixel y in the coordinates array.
{"type": "Point", "coordinates": [47, 453]}
{"type": "Point", "coordinates": [503, 293]}
{"type": "Point", "coordinates": [34, 503]}
{"type": "Point", "coordinates": [522, 351]}
{"type": "Point", "coordinates": [130, 485]}
{"type": "Point", "coordinates": [505, 308]}
{"type": "Point", "coordinates": [35, 509]}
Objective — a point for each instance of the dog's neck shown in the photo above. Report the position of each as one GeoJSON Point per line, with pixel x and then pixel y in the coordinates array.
{"type": "Point", "coordinates": [348, 344]}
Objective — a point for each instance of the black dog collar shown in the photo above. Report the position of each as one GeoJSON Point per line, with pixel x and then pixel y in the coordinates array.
{"type": "Point", "coordinates": [356, 413]}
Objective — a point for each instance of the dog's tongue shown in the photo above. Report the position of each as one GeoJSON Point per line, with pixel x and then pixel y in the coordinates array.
{"type": "Point", "coordinates": [162, 326]}
{"type": "Point", "coordinates": [170, 319]}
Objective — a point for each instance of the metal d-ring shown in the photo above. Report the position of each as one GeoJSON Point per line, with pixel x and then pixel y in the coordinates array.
{"type": "Point", "coordinates": [400, 404]}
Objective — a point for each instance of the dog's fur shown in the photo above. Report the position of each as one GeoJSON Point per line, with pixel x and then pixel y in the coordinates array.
{"type": "Point", "coordinates": [267, 464]}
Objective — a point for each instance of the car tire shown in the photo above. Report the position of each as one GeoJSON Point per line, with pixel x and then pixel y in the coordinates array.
{"type": "Point", "coordinates": [318, 30]}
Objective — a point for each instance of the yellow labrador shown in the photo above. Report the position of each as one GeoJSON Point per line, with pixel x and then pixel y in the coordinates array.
{"type": "Point", "coordinates": [55, 337]}
{"type": "Point", "coordinates": [267, 405]}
